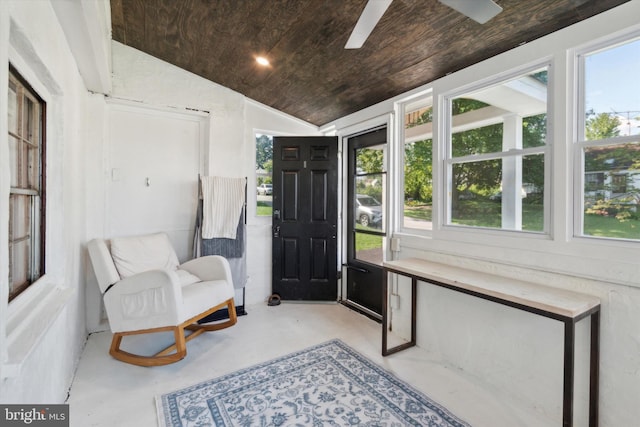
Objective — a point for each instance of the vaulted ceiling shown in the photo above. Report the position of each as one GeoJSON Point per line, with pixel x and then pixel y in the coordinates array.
{"type": "Point", "coordinates": [311, 75]}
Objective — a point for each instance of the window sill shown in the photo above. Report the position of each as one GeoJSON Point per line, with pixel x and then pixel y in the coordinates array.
{"type": "Point", "coordinates": [30, 317]}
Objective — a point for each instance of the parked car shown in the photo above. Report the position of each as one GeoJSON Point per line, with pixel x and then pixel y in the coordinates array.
{"type": "Point", "coordinates": [368, 211]}
{"type": "Point", "coordinates": [265, 189]}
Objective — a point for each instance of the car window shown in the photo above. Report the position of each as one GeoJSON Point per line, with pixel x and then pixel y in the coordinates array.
{"type": "Point", "coordinates": [368, 201]}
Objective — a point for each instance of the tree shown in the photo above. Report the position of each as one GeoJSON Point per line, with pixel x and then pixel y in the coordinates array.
{"type": "Point", "coordinates": [482, 175]}
{"type": "Point", "coordinates": [534, 134]}
{"type": "Point", "coordinates": [418, 164]}
{"type": "Point", "coordinates": [264, 151]}
{"type": "Point", "coordinates": [418, 167]}
{"type": "Point", "coordinates": [619, 161]}
{"type": "Point", "coordinates": [601, 126]}
{"type": "Point", "coordinates": [369, 160]}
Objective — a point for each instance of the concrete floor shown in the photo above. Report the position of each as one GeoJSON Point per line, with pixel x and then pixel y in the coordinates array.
{"type": "Point", "coordinates": [109, 393]}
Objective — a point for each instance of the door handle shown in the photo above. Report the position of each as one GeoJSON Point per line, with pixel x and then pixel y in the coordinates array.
{"type": "Point", "coordinates": [276, 231]}
{"type": "Point", "coordinates": [276, 214]}
{"type": "Point", "coordinates": [353, 267]}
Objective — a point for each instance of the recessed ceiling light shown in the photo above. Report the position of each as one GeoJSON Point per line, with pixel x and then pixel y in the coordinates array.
{"type": "Point", "coordinates": [262, 61]}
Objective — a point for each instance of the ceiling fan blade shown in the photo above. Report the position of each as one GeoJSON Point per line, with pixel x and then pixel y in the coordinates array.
{"type": "Point", "coordinates": [370, 16]}
{"type": "Point", "coordinates": [479, 10]}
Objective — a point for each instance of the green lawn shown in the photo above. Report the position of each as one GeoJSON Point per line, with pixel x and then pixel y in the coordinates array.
{"type": "Point", "coordinates": [264, 209]}
{"type": "Point", "coordinates": [609, 226]}
{"type": "Point", "coordinates": [367, 241]}
{"type": "Point", "coordinates": [418, 212]}
{"type": "Point", "coordinates": [485, 213]}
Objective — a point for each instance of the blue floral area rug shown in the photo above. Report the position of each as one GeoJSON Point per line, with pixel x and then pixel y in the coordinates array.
{"type": "Point", "coordinates": [329, 384]}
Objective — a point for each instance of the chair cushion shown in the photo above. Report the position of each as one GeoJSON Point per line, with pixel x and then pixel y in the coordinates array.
{"type": "Point", "coordinates": [133, 255]}
{"type": "Point", "coordinates": [200, 297]}
{"type": "Point", "coordinates": [186, 278]}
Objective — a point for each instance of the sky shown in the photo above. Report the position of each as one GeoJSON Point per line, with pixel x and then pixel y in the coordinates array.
{"type": "Point", "coordinates": [613, 84]}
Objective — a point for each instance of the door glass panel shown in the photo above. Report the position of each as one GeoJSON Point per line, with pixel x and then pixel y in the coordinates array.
{"type": "Point", "coordinates": [369, 212]}
{"type": "Point", "coordinates": [369, 182]}
{"type": "Point", "coordinates": [264, 179]}
{"type": "Point", "coordinates": [370, 159]}
{"type": "Point", "coordinates": [368, 248]}
{"type": "Point", "coordinates": [366, 183]}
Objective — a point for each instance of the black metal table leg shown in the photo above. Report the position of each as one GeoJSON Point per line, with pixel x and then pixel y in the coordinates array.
{"type": "Point", "coordinates": [569, 365]}
{"type": "Point", "coordinates": [594, 375]}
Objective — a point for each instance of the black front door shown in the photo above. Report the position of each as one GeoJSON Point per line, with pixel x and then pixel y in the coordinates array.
{"type": "Point", "coordinates": [366, 182]}
{"type": "Point", "coordinates": [305, 194]}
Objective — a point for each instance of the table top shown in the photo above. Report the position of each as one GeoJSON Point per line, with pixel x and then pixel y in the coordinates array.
{"type": "Point", "coordinates": [557, 301]}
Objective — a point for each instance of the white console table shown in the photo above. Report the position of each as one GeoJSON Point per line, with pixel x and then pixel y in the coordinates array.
{"type": "Point", "coordinates": [565, 306]}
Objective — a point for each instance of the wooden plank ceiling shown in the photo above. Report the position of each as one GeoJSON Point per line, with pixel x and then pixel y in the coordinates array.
{"type": "Point", "coordinates": [312, 76]}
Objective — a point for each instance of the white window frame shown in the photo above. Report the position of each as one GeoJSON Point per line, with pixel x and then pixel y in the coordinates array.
{"type": "Point", "coordinates": [251, 191]}
{"type": "Point", "coordinates": [25, 320]}
{"type": "Point", "coordinates": [580, 142]}
{"type": "Point", "coordinates": [426, 98]}
{"type": "Point", "coordinates": [36, 260]}
{"type": "Point", "coordinates": [447, 161]}
{"type": "Point", "coordinates": [255, 168]}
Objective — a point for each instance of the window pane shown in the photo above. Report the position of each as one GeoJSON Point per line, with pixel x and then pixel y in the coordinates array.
{"type": "Point", "coordinates": [370, 159]}
{"type": "Point", "coordinates": [30, 123]}
{"type": "Point", "coordinates": [418, 169]}
{"type": "Point", "coordinates": [33, 167]}
{"type": "Point", "coordinates": [369, 212]}
{"type": "Point", "coordinates": [19, 259]}
{"type": "Point", "coordinates": [26, 215]}
{"type": "Point", "coordinates": [612, 191]}
{"type": "Point", "coordinates": [19, 240]}
{"type": "Point", "coordinates": [487, 139]}
{"type": "Point", "coordinates": [264, 168]}
{"type": "Point", "coordinates": [502, 117]}
{"type": "Point", "coordinates": [612, 92]}
{"type": "Point", "coordinates": [14, 157]}
{"type": "Point", "coordinates": [483, 199]}
{"type": "Point", "coordinates": [13, 108]}
{"type": "Point", "coordinates": [532, 193]}
{"type": "Point", "coordinates": [368, 248]}
{"type": "Point", "coordinates": [493, 184]}
{"type": "Point", "coordinates": [534, 131]}
{"type": "Point", "coordinates": [19, 217]}
{"type": "Point", "coordinates": [476, 194]}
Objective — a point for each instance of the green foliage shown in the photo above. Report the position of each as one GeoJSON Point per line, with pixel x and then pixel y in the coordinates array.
{"type": "Point", "coordinates": [601, 126]}
{"type": "Point", "coordinates": [487, 139]}
{"type": "Point", "coordinates": [418, 167]}
{"type": "Point", "coordinates": [621, 161]}
{"type": "Point", "coordinates": [264, 152]}
{"type": "Point", "coordinates": [369, 160]}
{"type": "Point", "coordinates": [464, 105]}
{"type": "Point", "coordinates": [534, 131]}
{"type": "Point", "coordinates": [613, 158]}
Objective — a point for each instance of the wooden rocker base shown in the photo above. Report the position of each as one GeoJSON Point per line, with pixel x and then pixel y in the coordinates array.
{"type": "Point", "coordinates": [177, 351]}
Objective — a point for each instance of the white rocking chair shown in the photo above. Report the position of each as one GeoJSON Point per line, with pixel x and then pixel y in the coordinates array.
{"type": "Point", "coordinates": [145, 290]}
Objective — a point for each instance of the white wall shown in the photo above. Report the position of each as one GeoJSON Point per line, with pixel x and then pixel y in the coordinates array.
{"type": "Point", "coordinates": [267, 120]}
{"type": "Point", "coordinates": [42, 331]}
{"type": "Point", "coordinates": [232, 118]}
{"type": "Point", "coordinates": [512, 352]}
